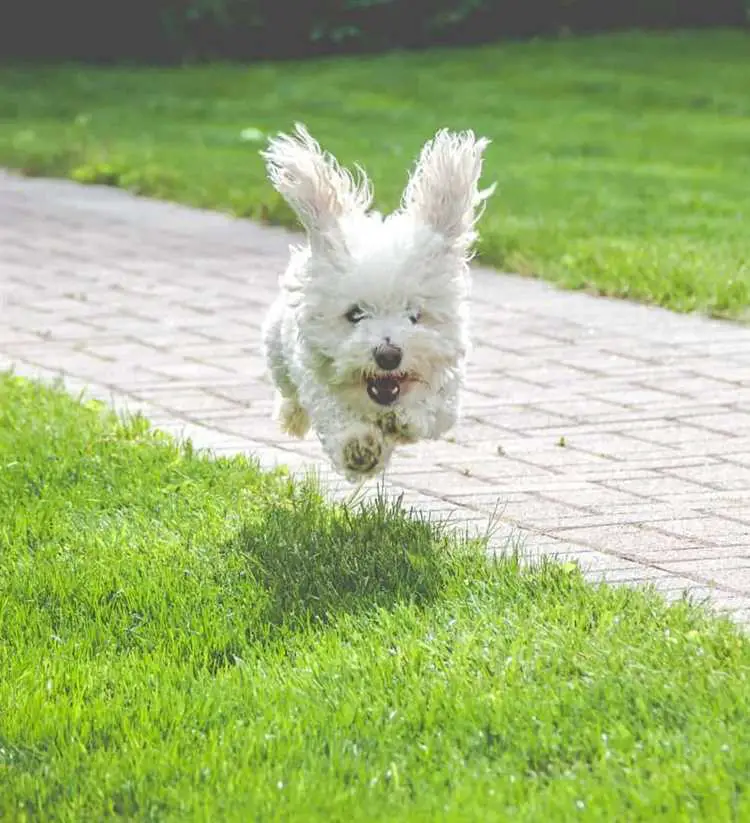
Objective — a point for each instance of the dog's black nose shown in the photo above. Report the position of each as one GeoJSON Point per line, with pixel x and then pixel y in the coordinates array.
{"type": "Point", "coordinates": [388, 356]}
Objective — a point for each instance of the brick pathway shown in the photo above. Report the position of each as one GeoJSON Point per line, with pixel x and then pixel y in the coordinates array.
{"type": "Point", "coordinates": [612, 434]}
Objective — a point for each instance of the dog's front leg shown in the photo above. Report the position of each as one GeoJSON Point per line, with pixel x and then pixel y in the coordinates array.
{"type": "Point", "coordinates": [362, 451]}
{"type": "Point", "coordinates": [426, 420]}
{"type": "Point", "coordinates": [357, 449]}
{"type": "Point", "coordinates": [401, 426]}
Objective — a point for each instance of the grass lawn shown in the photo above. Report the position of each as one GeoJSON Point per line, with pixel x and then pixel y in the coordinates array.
{"type": "Point", "coordinates": [622, 161]}
{"type": "Point", "coordinates": [191, 639]}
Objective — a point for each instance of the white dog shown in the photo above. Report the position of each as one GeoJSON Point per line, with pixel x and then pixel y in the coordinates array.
{"type": "Point", "coordinates": [368, 338]}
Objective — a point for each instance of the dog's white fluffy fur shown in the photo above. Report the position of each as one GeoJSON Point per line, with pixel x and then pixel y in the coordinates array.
{"type": "Point", "coordinates": [363, 282]}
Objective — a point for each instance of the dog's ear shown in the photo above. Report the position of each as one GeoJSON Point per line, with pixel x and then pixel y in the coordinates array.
{"type": "Point", "coordinates": [313, 183]}
{"type": "Point", "coordinates": [443, 188]}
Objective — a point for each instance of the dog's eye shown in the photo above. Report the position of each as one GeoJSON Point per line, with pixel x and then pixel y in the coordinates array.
{"type": "Point", "coordinates": [355, 314]}
{"type": "Point", "coordinates": [415, 316]}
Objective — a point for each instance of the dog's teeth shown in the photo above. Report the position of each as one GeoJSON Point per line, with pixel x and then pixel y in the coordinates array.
{"type": "Point", "coordinates": [394, 390]}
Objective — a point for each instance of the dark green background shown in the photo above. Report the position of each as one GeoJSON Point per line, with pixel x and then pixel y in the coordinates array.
{"type": "Point", "coordinates": [168, 31]}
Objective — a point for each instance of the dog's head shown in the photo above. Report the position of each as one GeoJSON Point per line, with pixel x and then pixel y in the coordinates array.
{"type": "Point", "coordinates": [381, 301]}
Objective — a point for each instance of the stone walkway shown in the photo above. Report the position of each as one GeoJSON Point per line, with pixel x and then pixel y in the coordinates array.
{"type": "Point", "coordinates": [612, 434]}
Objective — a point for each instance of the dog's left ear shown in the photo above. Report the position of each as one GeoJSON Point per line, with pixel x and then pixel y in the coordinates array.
{"type": "Point", "coordinates": [443, 188]}
{"type": "Point", "coordinates": [317, 188]}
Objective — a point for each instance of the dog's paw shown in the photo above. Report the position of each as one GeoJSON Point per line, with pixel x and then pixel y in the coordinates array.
{"type": "Point", "coordinates": [293, 419]}
{"type": "Point", "coordinates": [395, 428]}
{"type": "Point", "coordinates": [362, 453]}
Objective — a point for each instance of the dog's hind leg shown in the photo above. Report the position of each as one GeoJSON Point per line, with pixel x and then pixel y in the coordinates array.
{"type": "Point", "coordinates": [288, 411]}
{"type": "Point", "coordinates": [293, 419]}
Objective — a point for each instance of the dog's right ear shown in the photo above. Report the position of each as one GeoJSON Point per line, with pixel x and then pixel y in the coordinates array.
{"type": "Point", "coordinates": [313, 183]}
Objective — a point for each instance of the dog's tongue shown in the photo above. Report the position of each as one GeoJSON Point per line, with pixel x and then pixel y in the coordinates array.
{"type": "Point", "coordinates": [384, 390]}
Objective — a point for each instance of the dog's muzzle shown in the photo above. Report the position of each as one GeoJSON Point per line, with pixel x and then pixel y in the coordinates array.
{"type": "Point", "coordinates": [384, 389]}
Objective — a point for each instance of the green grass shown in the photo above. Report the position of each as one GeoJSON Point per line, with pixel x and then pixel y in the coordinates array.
{"type": "Point", "coordinates": [621, 161]}
{"type": "Point", "coordinates": [192, 639]}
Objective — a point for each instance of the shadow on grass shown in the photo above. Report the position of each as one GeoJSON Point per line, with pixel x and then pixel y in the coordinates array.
{"type": "Point", "coordinates": [314, 561]}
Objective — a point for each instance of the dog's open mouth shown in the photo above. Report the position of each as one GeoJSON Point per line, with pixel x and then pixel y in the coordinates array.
{"type": "Point", "coordinates": [385, 389]}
